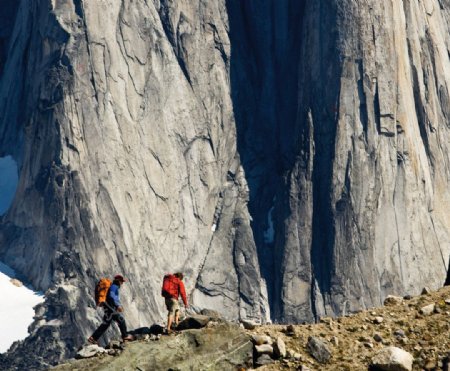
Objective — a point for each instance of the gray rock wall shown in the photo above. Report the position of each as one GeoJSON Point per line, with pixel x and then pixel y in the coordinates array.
{"type": "Point", "coordinates": [291, 157]}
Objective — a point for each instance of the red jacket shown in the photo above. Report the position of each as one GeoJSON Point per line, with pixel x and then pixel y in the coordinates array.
{"type": "Point", "coordinates": [174, 288]}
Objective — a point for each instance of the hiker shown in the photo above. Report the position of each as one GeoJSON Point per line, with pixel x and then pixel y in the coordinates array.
{"type": "Point", "coordinates": [173, 287]}
{"type": "Point", "coordinates": [112, 309]}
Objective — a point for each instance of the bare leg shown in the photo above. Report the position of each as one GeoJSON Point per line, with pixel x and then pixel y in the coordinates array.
{"type": "Point", "coordinates": [169, 322]}
{"type": "Point", "coordinates": [177, 317]}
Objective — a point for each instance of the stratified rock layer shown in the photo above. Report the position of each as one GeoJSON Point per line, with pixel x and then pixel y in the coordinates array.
{"type": "Point", "coordinates": [291, 158]}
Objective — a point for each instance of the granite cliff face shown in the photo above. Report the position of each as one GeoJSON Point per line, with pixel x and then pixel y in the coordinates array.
{"type": "Point", "coordinates": [291, 157]}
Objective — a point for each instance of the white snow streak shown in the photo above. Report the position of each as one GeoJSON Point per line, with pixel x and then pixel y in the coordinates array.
{"type": "Point", "coordinates": [269, 233]}
{"type": "Point", "coordinates": [16, 308]}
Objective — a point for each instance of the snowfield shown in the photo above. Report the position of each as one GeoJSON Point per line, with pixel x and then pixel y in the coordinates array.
{"type": "Point", "coordinates": [16, 309]}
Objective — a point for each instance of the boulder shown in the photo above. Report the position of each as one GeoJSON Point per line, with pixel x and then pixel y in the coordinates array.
{"type": "Point", "coordinates": [213, 314]}
{"type": "Point", "coordinates": [392, 359]}
{"type": "Point", "coordinates": [261, 339]}
{"type": "Point", "coordinates": [377, 338]}
{"type": "Point", "coordinates": [16, 282]}
{"type": "Point", "coordinates": [263, 359]}
{"type": "Point", "coordinates": [427, 310]}
{"type": "Point", "coordinates": [249, 324]}
{"type": "Point", "coordinates": [141, 331]}
{"type": "Point", "coordinates": [156, 329]}
{"type": "Point", "coordinates": [114, 344]}
{"type": "Point", "coordinates": [264, 349]}
{"type": "Point", "coordinates": [318, 349]}
{"type": "Point", "coordinates": [90, 350]}
{"type": "Point", "coordinates": [290, 330]}
{"type": "Point", "coordinates": [279, 348]}
{"type": "Point", "coordinates": [393, 300]}
{"type": "Point", "coordinates": [193, 322]}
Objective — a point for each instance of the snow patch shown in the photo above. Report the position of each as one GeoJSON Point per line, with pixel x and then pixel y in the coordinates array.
{"type": "Point", "coordinates": [16, 309]}
{"type": "Point", "coordinates": [269, 233]}
{"type": "Point", "coordinates": [8, 182]}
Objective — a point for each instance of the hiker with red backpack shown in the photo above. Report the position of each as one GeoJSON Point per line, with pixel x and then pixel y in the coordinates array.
{"type": "Point", "coordinates": [173, 287]}
{"type": "Point", "coordinates": [107, 297]}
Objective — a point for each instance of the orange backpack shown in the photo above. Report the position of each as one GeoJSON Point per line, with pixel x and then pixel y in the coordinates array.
{"type": "Point", "coordinates": [101, 291]}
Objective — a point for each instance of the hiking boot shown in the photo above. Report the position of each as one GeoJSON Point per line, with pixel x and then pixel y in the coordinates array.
{"type": "Point", "coordinates": [91, 340]}
{"type": "Point", "coordinates": [128, 338]}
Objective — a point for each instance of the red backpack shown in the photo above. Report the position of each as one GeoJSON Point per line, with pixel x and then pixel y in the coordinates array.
{"type": "Point", "coordinates": [169, 287]}
{"type": "Point", "coordinates": [101, 291]}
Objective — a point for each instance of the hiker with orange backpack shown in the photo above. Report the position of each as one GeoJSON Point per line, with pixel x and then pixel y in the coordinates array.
{"type": "Point", "coordinates": [107, 297]}
{"type": "Point", "coordinates": [172, 288]}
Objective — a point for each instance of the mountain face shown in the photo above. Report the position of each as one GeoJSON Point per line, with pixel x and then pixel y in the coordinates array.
{"type": "Point", "coordinates": [290, 157]}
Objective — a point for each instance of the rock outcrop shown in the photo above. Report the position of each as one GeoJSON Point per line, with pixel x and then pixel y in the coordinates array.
{"type": "Point", "coordinates": [224, 347]}
{"type": "Point", "coordinates": [291, 158]}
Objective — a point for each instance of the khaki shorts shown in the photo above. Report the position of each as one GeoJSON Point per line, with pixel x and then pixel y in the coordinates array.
{"type": "Point", "coordinates": [172, 306]}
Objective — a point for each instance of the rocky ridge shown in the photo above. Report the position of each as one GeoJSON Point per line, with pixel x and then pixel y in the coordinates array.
{"type": "Point", "coordinates": [415, 329]}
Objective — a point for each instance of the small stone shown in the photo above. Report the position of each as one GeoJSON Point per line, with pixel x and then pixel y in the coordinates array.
{"type": "Point", "coordinates": [194, 321]}
{"type": "Point", "coordinates": [264, 349]}
{"type": "Point", "coordinates": [318, 349]}
{"type": "Point", "coordinates": [114, 344]}
{"type": "Point", "coordinates": [263, 359]}
{"type": "Point", "coordinates": [427, 310]}
{"type": "Point", "coordinates": [327, 320]}
{"type": "Point", "coordinates": [335, 341]}
{"type": "Point", "coordinates": [303, 368]}
{"type": "Point", "coordinates": [213, 314]}
{"type": "Point", "coordinates": [368, 345]}
{"type": "Point", "coordinates": [392, 359]}
{"type": "Point", "coordinates": [290, 330]}
{"type": "Point", "coordinates": [297, 356]}
{"type": "Point", "coordinates": [447, 301]}
{"type": "Point", "coordinates": [89, 351]}
{"type": "Point", "coordinates": [426, 291]}
{"type": "Point", "coordinates": [378, 320]}
{"type": "Point", "coordinates": [16, 282]}
{"type": "Point", "coordinates": [393, 300]}
{"type": "Point", "coordinates": [399, 333]}
{"type": "Point", "coordinates": [430, 365]}
{"type": "Point", "coordinates": [427, 337]}
{"type": "Point", "coordinates": [249, 324]}
{"type": "Point", "coordinates": [279, 348]}
{"type": "Point", "coordinates": [114, 352]}
{"type": "Point", "coordinates": [378, 338]}
{"type": "Point", "coordinates": [404, 341]}
{"type": "Point", "coordinates": [407, 297]}
{"type": "Point", "coordinates": [364, 327]}
{"type": "Point", "coordinates": [261, 339]}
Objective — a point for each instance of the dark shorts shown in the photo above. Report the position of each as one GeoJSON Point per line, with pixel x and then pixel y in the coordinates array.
{"type": "Point", "coordinates": [172, 306]}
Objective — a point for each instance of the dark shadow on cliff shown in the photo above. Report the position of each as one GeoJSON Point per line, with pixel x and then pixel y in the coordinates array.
{"type": "Point", "coordinates": [265, 47]}
{"type": "Point", "coordinates": [273, 92]}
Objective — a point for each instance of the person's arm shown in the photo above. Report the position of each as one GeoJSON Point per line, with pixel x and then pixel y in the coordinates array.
{"type": "Point", "coordinates": [183, 293]}
{"type": "Point", "coordinates": [114, 295]}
